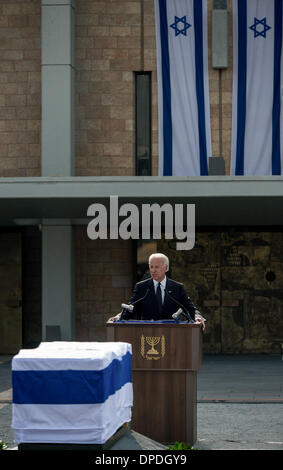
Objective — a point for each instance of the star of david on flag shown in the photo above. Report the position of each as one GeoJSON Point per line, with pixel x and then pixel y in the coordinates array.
{"type": "Point", "coordinates": [259, 31]}
{"type": "Point", "coordinates": [183, 22]}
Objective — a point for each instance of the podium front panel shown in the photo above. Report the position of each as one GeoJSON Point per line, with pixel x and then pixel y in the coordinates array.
{"type": "Point", "coordinates": [166, 358]}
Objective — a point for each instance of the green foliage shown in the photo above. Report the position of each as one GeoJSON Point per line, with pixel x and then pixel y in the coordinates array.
{"type": "Point", "coordinates": [3, 446]}
{"type": "Point", "coordinates": [181, 446]}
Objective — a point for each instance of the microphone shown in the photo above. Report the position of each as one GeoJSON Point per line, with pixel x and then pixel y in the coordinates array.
{"type": "Point", "coordinates": [184, 311]}
{"type": "Point", "coordinates": [130, 307]}
{"type": "Point", "coordinates": [177, 314]}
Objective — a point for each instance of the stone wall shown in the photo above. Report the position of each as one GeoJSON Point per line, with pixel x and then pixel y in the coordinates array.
{"type": "Point", "coordinates": [114, 39]}
{"type": "Point", "coordinates": [20, 88]}
{"type": "Point", "coordinates": [235, 278]}
{"type": "Point", "coordinates": [103, 281]}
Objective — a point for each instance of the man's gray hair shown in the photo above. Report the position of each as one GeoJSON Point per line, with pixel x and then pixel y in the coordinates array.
{"type": "Point", "coordinates": [159, 255]}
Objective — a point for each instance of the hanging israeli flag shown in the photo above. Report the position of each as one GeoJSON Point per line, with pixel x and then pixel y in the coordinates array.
{"type": "Point", "coordinates": [183, 94]}
{"type": "Point", "coordinates": [257, 84]}
{"type": "Point", "coordinates": [69, 392]}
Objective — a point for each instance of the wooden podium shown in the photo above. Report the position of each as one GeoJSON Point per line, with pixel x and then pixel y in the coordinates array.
{"type": "Point", "coordinates": [166, 358]}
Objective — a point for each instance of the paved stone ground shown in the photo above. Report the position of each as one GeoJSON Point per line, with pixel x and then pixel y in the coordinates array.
{"type": "Point", "coordinates": [244, 426]}
{"type": "Point", "coordinates": [240, 405]}
{"type": "Point", "coordinates": [241, 378]}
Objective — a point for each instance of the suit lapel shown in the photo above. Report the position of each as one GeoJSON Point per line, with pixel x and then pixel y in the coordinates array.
{"type": "Point", "coordinates": [151, 286]}
{"type": "Point", "coordinates": [151, 289]}
{"type": "Point", "coordinates": [169, 290]}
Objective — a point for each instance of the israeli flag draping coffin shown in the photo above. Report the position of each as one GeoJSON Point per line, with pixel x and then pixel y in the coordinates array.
{"type": "Point", "coordinates": [257, 88]}
{"type": "Point", "coordinates": [71, 392]}
{"type": "Point", "coordinates": [183, 91]}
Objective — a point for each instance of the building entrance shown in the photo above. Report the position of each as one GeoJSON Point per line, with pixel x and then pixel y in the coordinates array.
{"type": "Point", "coordinates": [10, 293]}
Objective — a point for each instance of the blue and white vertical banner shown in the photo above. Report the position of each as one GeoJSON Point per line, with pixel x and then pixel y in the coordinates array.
{"type": "Point", "coordinates": [183, 91]}
{"type": "Point", "coordinates": [257, 88]}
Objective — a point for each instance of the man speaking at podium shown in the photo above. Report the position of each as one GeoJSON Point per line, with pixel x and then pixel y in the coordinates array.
{"type": "Point", "coordinates": [159, 298]}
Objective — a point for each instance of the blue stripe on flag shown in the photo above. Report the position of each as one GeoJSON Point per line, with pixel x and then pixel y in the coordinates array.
{"type": "Point", "coordinates": [242, 85]}
{"type": "Point", "coordinates": [66, 387]}
{"type": "Point", "coordinates": [200, 85]}
{"type": "Point", "coordinates": [166, 90]}
{"type": "Point", "coordinates": [276, 154]}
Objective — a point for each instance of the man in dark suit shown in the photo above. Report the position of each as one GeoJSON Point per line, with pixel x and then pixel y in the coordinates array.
{"type": "Point", "coordinates": [158, 297]}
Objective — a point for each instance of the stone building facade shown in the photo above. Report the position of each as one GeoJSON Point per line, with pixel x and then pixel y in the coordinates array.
{"type": "Point", "coordinates": [113, 40]}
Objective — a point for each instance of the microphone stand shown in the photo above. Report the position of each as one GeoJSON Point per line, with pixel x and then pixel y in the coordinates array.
{"type": "Point", "coordinates": [130, 307]}
{"type": "Point", "coordinates": [185, 312]}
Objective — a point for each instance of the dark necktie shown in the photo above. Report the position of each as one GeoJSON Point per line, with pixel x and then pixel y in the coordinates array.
{"type": "Point", "coordinates": [159, 298]}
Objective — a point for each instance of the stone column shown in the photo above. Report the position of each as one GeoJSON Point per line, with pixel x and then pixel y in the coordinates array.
{"type": "Point", "coordinates": [58, 282]}
{"type": "Point", "coordinates": [58, 78]}
{"type": "Point", "coordinates": [57, 159]}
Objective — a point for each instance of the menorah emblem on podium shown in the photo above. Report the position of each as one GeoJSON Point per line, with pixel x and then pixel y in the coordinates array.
{"type": "Point", "coordinates": [152, 341]}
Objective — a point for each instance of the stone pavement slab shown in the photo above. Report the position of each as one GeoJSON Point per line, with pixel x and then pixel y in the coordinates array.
{"type": "Point", "coordinates": [254, 378]}
{"type": "Point", "coordinates": [244, 426]}
{"type": "Point", "coordinates": [240, 403]}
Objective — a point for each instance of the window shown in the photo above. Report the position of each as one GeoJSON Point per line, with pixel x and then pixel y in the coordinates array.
{"type": "Point", "coordinates": [143, 123]}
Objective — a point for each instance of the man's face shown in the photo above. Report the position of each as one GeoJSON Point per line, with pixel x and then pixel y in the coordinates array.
{"type": "Point", "coordinates": [157, 269]}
